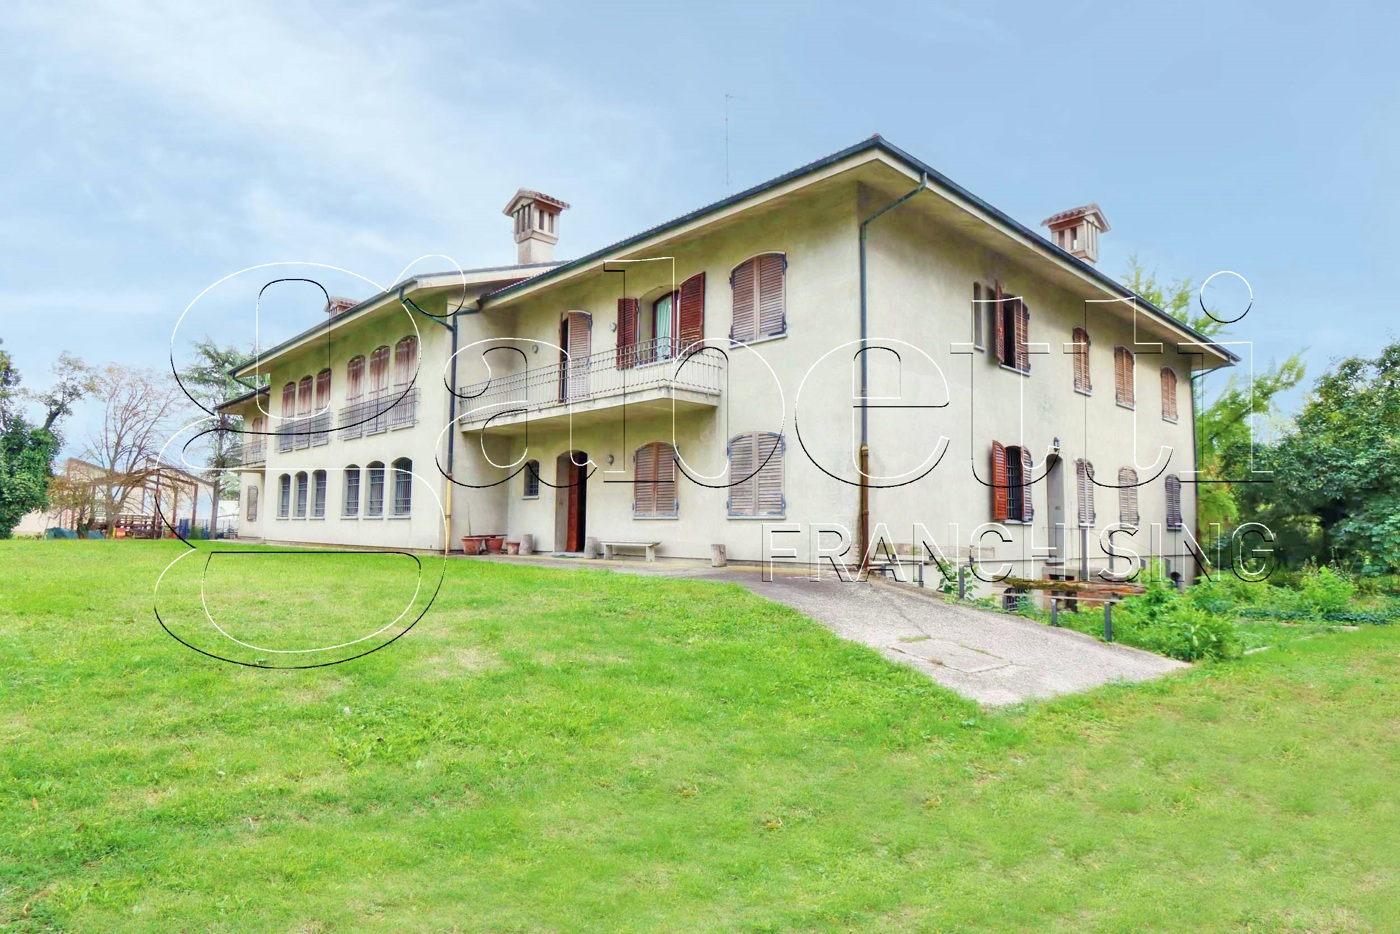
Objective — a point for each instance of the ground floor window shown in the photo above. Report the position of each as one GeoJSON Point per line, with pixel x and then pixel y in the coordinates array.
{"type": "Point", "coordinates": [284, 496]}
{"type": "Point", "coordinates": [351, 508]}
{"type": "Point", "coordinates": [252, 512]}
{"type": "Point", "coordinates": [532, 479]}
{"type": "Point", "coordinates": [318, 495]}
{"type": "Point", "coordinates": [374, 502]}
{"type": "Point", "coordinates": [655, 488]}
{"type": "Point", "coordinates": [403, 486]}
{"type": "Point", "coordinates": [302, 490]}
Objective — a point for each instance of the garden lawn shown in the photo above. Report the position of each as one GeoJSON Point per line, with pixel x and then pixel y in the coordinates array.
{"type": "Point", "coordinates": [593, 752]}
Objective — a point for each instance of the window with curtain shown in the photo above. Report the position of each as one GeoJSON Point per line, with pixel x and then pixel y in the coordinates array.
{"type": "Point", "coordinates": [1168, 394]}
{"type": "Point", "coordinates": [1128, 496]}
{"type": "Point", "coordinates": [759, 286]}
{"type": "Point", "coordinates": [284, 496]}
{"type": "Point", "coordinates": [756, 475]}
{"type": "Point", "coordinates": [318, 495]}
{"type": "Point", "coordinates": [405, 361]}
{"type": "Point", "coordinates": [351, 506]}
{"type": "Point", "coordinates": [1081, 362]}
{"type": "Point", "coordinates": [532, 479]}
{"type": "Point", "coordinates": [302, 495]}
{"type": "Point", "coordinates": [403, 486]}
{"type": "Point", "coordinates": [662, 322]}
{"type": "Point", "coordinates": [355, 378]}
{"type": "Point", "coordinates": [1123, 364]}
{"type": "Point", "coordinates": [655, 488]}
{"type": "Point", "coordinates": [374, 501]}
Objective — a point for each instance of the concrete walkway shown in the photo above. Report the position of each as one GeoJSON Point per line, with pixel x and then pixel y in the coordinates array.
{"type": "Point", "coordinates": [993, 658]}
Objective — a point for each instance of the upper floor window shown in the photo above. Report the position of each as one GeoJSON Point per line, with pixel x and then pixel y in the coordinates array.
{"type": "Point", "coordinates": [1123, 363]}
{"type": "Point", "coordinates": [405, 361]}
{"type": "Point", "coordinates": [289, 400]}
{"type": "Point", "coordinates": [760, 297]}
{"type": "Point", "coordinates": [1081, 362]}
{"type": "Point", "coordinates": [323, 391]}
{"type": "Point", "coordinates": [665, 328]}
{"type": "Point", "coordinates": [655, 487]}
{"type": "Point", "coordinates": [1168, 394]}
{"type": "Point", "coordinates": [532, 479]}
{"type": "Point", "coordinates": [980, 303]}
{"type": "Point", "coordinates": [355, 378]}
{"type": "Point", "coordinates": [403, 486]}
{"type": "Point", "coordinates": [379, 369]}
{"type": "Point", "coordinates": [1013, 324]}
{"type": "Point", "coordinates": [1011, 483]}
{"type": "Point", "coordinates": [304, 396]}
{"type": "Point", "coordinates": [756, 475]}
{"type": "Point", "coordinates": [1128, 496]}
{"type": "Point", "coordinates": [1084, 482]}
{"type": "Point", "coordinates": [1174, 502]}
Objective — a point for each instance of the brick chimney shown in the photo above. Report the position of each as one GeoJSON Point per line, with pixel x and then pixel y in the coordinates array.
{"type": "Point", "coordinates": [536, 218]}
{"type": "Point", "coordinates": [1077, 230]}
{"type": "Point", "coordinates": [339, 305]}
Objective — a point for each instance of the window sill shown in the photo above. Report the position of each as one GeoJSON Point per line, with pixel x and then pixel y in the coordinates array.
{"type": "Point", "coordinates": [1012, 369]}
{"type": "Point", "coordinates": [530, 498]}
{"type": "Point", "coordinates": [766, 338]}
{"type": "Point", "coordinates": [1131, 407]}
{"type": "Point", "coordinates": [399, 518]}
{"type": "Point", "coordinates": [1084, 392]}
{"type": "Point", "coordinates": [655, 518]}
{"type": "Point", "coordinates": [1171, 421]}
{"type": "Point", "coordinates": [772, 518]}
{"type": "Point", "coordinates": [350, 517]}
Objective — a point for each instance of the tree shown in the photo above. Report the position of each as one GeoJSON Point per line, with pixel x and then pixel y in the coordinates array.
{"type": "Point", "coordinates": [27, 448]}
{"type": "Point", "coordinates": [140, 411]}
{"type": "Point", "coordinates": [1225, 446]}
{"type": "Point", "coordinates": [208, 382]}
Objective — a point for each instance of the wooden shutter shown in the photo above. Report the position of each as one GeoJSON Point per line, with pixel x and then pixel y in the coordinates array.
{"type": "Point", "coordinates": [1027, 509]}
{"type": "Point", "coordinates": [1023, 333]}
{"type": "Point", "coordinates": [304, 396]}
{"type": "Point", "coordinates": [1000, 502]}
{"type": "Point", "coordinates": [692, 311]}
{"type": "Point", "coordinates": [379, 369]}
{"type": "Point", "coordinates": [1127, 496]}
{"type": "Point", "coordinates": [1173, 501]}
{"type": "Point", "coordinates": [743, 485]}
{"type": "Point", "coordinates": [289, 400]}
{"type": "Point", "coordinates": [744, 326]}
{"type": "Point", "coordinates": [1084, 477]}
{"type": "Point", "coordinates": [1000, 317]}
{"type": "Point", "coordinates": [405, 360]}
{"type": "Point", "coordinates": [1168, 394]}
{"type": "Point", "coordinates": [1081, 361]}
{"type": "Point", "coordinates": [772, 313]}
{"type": "Point", "coordinates": [768, 449]}
{"type": "Point", "coordinates": [1123, 375]}
{"type": "Point", "coordinates": [355, 378]}
{"type": "Point", "coordinates": [580, 339]}
{"type": "Point", "coordinates": [323, 391]}
{"type": "Point", "coordinates": [644, 489]}
{"type": "Point", "coordinates": [666, 504]}
{"type": "Point", "coordinates": [626, 333]}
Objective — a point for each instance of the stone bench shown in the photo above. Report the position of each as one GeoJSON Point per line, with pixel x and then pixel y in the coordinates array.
{"type": "Point", "coordinates": [610, 548]}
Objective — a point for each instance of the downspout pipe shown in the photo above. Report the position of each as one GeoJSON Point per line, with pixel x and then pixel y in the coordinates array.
{"type": "Point", "coordinates": [865, 364]}
{"type": "Point", "coordinates": [451, 415]}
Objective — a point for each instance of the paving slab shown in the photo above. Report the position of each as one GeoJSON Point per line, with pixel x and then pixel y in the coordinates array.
{"type": "Point", "coordinates": [993, 658]}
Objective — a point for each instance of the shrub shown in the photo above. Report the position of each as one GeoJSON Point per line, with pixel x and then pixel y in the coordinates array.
{"type": "Point", "coordinates": [1325, 590]}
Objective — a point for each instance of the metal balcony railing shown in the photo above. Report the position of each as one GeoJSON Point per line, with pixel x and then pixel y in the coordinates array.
{"type": "Point", "coordinates": [304, 432]}
{"type": "Point", "coordinates": [380, 411]}
{"type": "Point", "coordinates": [647, 365]}
{"type": "Point", "coordinates": [254, 452]}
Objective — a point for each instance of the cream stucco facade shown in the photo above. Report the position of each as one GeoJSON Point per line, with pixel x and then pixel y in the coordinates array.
{"type": "Point", "coordinates": [936, 396]}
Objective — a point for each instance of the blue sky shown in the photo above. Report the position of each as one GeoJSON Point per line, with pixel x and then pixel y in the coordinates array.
{"type": "Point", "coordinates": [155, 147]}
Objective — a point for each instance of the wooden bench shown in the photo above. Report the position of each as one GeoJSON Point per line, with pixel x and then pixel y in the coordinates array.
{"type": "Point", "coordinates": [609, 548]}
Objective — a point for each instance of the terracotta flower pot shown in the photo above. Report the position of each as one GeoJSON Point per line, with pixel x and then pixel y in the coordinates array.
{"type": "Point", "coordinates": [495, 544]}
{"type": "Point", "coordinates": [473, 544]}
{"type": "Point", "coordinates": [512, 548]}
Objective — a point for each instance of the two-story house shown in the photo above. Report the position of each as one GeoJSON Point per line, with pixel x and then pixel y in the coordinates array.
{"type": "Point", "coordinates": [857, 351]}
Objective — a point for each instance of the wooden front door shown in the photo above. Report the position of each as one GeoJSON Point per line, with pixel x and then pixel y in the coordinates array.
{"type": "Point", "coordinates": [571, 501]}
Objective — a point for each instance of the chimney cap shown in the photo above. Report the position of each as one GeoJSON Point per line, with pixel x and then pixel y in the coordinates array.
{"type": "Point", "coordinates": [1090, 212]}
{"type": "Point", "coordinates": [526, 196]}
{"type": "Point", "coordinates": [339, 304]}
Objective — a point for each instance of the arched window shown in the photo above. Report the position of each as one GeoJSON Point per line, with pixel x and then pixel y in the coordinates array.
{"type": "Point", "coordinates": [301, 495]}
{"type": "Point", "coordinates": [655, 489]}
{"type": "Point", "coordinates": [252, 513]}
{"type": "Point", "coordinates": [1168, 394]}
{"type": "Point", "coordinates": [284, 496]}
{"type": "Point", "coordinates": [1123, 376]}
{"type": "Point", "coordinates": [318, 495]}
{"type": "Point", "coordinates": [760, 297]}
{"type": "Point", "coordinates": [323, 391]}
{"type": "Point", "coordinates": [379, 369]}
{"type": "Point", "coordinates": [1174, 502]}
{"type": "Point", "coordinates": [304, 396]}
{"type": "Point", "coordinates": [354, 379]}
{"type": "Point", "coordinates": [1128, 496]}
{"type": "Point", "coordinates": [351, 506]}
{"type": "Point", "coordinates": [756, 475]}
{"type": "Point", "coordinates": [289, 400]}
{"type": "Point", "coordinates": [403, 486]}
{"type": "Point", "coordinates": [374, 500]}
{"type": "Point", "coordinates": [1084, 481]}
{"type": "Point", "coordinates": [405, 361]}
{"type": "Point", "coordinates": [1081, 362]}
{"type": "Point", "coordinates": [532, 479]}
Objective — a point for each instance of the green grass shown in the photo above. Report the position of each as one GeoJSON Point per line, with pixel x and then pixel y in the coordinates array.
{"type": "Point", "coordinates": [584, 751]}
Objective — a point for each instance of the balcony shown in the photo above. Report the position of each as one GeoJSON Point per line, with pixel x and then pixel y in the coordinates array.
{"type": "Point", "coordinates": [647, 379]}
{"type": "Point", "coordinates": [380, 411]}
{"type": "Point", "coordinates": [254, 453]}
{"type": "Point", "coordinates": [304, 432]}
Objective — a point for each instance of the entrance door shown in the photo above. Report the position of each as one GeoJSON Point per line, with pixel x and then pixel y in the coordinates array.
{"type": "Point", "coordinates": [570, 501]}
{"type": "Point", "coordinates": [1055, 514]}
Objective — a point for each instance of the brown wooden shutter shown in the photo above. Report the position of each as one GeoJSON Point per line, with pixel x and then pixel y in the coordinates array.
{"type": "Point", "coordinates": [289, 400]}
{"type": "Point", "coordinates": [1084, 477]}
{"type": "Point", "coordinates": [666, 504]}
{"type": "Point", "coordinates": [692, 311]}
{"type": "Point", "coordinates": [1000, 506]}
{"type": "Point", "coordinates": [323, 391]}
{"type": "Point", "coordinates": [355, 378]}
{"type": "Point", "coordinates": [1081, 361]}
{"type": "Point", "coordinates": [1169, 394]}
{"type": "Point", "coordinates": [745, 317]}
{"type": "Point", "coordinates": [1173, 501]}
{"type": "Point", "coordinates": [379, 369]}
{"type": "Point", "coordinates": [1001, 326]}
{"type": "Point", "coordinates": [772, 313]}
{"type": "Point", "coordinates": [743, 484]}
{"type": "Point", "coordinates": [1023, 334]}
{"type": "Point", "coordinates": [768, 453]}
{"type": "Point", "coordinates": [1027, 468]}
{"type": "Point", "coordinates": [1128, 496]}
{"type": "Point", "coordinates": [644, 489]}
{"type": "Point", "coordinates": [580, 340]}
{"type": "Point", "coordinates": [626, 333]}
{"type": "Point", "coordinates": [304, 396]}
{"type": "Point", "coordinates": [1123, 375]}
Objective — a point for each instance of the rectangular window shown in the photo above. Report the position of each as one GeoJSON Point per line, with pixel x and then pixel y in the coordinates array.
{"type": "Point", "coordinates": [284, 496]}
{"type": "Point", "coordinates": [756, 475]}
{"type": "Point", "coordinates": [979, 314]}
{"type": "Point", "coordinates": [532, 479]}
{"type": "Point", "coordinates": [1123, 363]}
